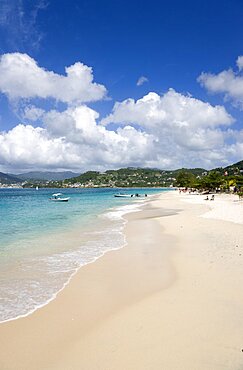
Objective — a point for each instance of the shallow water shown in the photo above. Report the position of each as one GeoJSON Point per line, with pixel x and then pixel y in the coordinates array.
{"type": "Point", "coordinates": [43, 243]}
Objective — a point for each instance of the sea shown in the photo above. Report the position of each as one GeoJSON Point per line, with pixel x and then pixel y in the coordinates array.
{"type": "Point", "coordinates": [44, 243]}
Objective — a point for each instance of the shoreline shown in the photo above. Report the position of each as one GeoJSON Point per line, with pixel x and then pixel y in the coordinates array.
{"type": "Point", "coordinates": [120, 211]}
{"type": "Point", "coordinates": [73, 236]}
{"type": "Point", "coordinates": [122, 311]}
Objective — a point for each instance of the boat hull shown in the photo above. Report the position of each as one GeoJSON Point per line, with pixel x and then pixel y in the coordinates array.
{"type": "Point", "coordinates": [60, 200]}
{"type": "Point", "coordinates": [122, 196]}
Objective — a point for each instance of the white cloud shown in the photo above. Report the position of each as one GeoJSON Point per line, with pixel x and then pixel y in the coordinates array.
{"type": "Point", "coordinates": [227, 82]}
{"type": "Point", "coordinates": [25, 145]}
{"type": "Point", "coordinates": [33, 113]}
{"type": "Point", "coordinates": [21, 77]}
{"type": "Point", "coordinates": [141, 80]}
{"type": "Point", "coordinates": [239, 62]}
{"type": "Point", "coordinates": [79, 126]}
{"type": "Point", "coordinates": [187, 130]}
{"type": "Point", "coordinates": [73, 139]}
{"type": "Point", "coordinates": [172, 110]}
{"type": "Point", "coordinates": [168, 131]}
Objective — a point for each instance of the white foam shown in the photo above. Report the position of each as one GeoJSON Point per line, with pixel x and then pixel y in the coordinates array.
{"type": "Point", "coordinates": [118, 212]}
{"type": "Point", "coordinates": [46, 276]}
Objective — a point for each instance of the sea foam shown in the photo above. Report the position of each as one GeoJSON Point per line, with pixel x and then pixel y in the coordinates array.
{"type": "Point", "coordinates": [37, 280]}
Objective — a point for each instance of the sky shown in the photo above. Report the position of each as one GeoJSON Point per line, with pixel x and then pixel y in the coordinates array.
{"type": "Point", "coordinates": [105, 84]}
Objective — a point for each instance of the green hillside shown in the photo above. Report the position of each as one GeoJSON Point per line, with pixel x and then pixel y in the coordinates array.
{"type": "Point", "coordinates": [136, 177]}
{"type": "Point", "coordinates": [128, 177]}
{"type": "Point", "coordinates": [45, 175]}
{"type": "Point", "coordinates": [8, 179]}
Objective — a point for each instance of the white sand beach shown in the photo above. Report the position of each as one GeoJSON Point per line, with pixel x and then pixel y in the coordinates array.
{"type": "Point", "coordinates": [170, 299]}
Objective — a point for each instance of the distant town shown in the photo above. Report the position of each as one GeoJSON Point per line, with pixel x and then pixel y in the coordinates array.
{"type": "Point", "coordinates": [127, 177]}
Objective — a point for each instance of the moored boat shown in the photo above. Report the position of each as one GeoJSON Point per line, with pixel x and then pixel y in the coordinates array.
{"type": "Point", "coordinates": [122, 195]}
{"type": "Point", "coordinates": [57, 198]}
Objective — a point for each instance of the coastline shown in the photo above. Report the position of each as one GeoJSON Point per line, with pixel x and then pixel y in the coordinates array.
{"type": "Point", "coordinates": [168, 299]}
{"type": "Point", "coordinates": [54, 257]}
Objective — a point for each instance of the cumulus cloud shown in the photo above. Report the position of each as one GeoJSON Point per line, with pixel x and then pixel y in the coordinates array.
{"type": "Point", "coordinates": [141, 80]}
{"type": "Point", "coordinates": [166, 131]}
{"type": "Point", "coordinates": [25, 145]}
{"type": "Point", "coordinates": [73, 139]}
{"type": "Point", "coordinates": [239, 62]}
{"type": "Point", "coordinates": [33, 113]}
{"type": "Point", "coordinates": [172, 109]}
{"type": "Point", "coordinates": [228, 82]}
{"type": "Point", "coordinates": [21, 77]}
{"type": "Point", "coordinates": [188, 130]}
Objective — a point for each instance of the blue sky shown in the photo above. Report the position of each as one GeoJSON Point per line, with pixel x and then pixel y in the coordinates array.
{"type": "Point", "coordinates": [170, 43]}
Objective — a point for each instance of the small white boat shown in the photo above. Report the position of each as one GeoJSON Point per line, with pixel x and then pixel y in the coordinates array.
{"type": "Point", "coordinates": [57, 198]}
{"type": "Point", "coordinates": [122, 195]}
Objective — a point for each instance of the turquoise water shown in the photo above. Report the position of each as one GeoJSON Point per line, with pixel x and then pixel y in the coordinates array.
{"type": "Point", "coordinates": [43, 243]}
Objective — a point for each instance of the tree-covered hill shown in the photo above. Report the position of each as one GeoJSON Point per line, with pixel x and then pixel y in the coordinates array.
{"type": "Point", "coordinates": [8, 179]}
{"type": "Point", "coordinates": [45, 175]}
{"type": "Point", "coordinates": [139, 177]}
{"type": "Point", "coordinates": [234, 169]}
{"type": "Point", "coordinates": [128, 177]}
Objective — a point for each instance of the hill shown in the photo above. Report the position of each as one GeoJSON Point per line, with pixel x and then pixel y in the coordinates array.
{"type": "Point", "coordinates": [235, 168]}
{"type": "Point", "coordinates": [46, 176]}
{"type": "Point", "coordinates": [128, 177]}
{"type": "Point", "coordinates": [8, 179]}
{"type": "Point", "coordinates": [123, 177]}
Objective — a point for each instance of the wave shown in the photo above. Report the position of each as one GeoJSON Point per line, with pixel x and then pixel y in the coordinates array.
{"type": "Point", "coordinates": [36, 281]}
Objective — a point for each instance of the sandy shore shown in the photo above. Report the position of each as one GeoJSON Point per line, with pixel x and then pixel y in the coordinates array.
{"type": "Point", "coordinates": [171, 299]}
